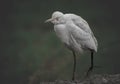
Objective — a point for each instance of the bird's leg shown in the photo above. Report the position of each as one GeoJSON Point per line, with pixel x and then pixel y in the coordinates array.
{"type": "Point", "coordinates": [91, 67]}
{"type": "Point", "coordinates": [74, 66]}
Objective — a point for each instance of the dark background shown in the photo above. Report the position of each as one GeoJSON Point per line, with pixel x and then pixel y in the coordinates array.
{"type": "Point", "coordinates": [30, 52]}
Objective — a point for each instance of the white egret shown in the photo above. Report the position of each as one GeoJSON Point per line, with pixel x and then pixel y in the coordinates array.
{"type": "Point", "coordinates": [75, 33]}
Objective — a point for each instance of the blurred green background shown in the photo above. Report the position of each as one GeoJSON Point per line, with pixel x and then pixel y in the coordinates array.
{"type": "Point", "coordinates": [30, 52]}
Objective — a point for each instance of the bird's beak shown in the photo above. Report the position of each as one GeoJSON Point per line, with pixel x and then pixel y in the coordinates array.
{"type": "Point", "coordinates": [49, 20]}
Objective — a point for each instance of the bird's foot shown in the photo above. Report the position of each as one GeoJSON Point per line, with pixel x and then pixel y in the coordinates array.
{"type": "Point", "coordinates": [89, 71]}
{"type": "Point", "coordinates": [87, 74]}
{"type": "Point", "coordinates": [73, 77]}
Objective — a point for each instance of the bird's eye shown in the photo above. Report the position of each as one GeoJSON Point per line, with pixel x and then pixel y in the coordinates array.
{"type": "Point", "coordinates": [57, 18]}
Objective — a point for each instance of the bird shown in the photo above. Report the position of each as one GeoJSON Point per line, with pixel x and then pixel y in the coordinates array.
{"type": "Point", "coordinates": [75, 33]}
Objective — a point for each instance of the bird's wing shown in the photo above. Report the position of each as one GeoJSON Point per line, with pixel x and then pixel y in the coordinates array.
{"type": "Point", "coordinates": [82, 24]}
{"type": "Point", "coordinates": [84, 39]}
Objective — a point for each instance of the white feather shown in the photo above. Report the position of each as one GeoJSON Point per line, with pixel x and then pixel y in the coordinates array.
{"type": "Point", "coordinates": [74, 32]}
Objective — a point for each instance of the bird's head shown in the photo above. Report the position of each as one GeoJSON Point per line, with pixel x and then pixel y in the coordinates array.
{"type": "Point", "coordinates": [57, 17]}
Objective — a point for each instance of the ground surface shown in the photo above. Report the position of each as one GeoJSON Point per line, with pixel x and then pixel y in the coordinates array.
{"type": "Point", "coordinates": [93, 79]}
